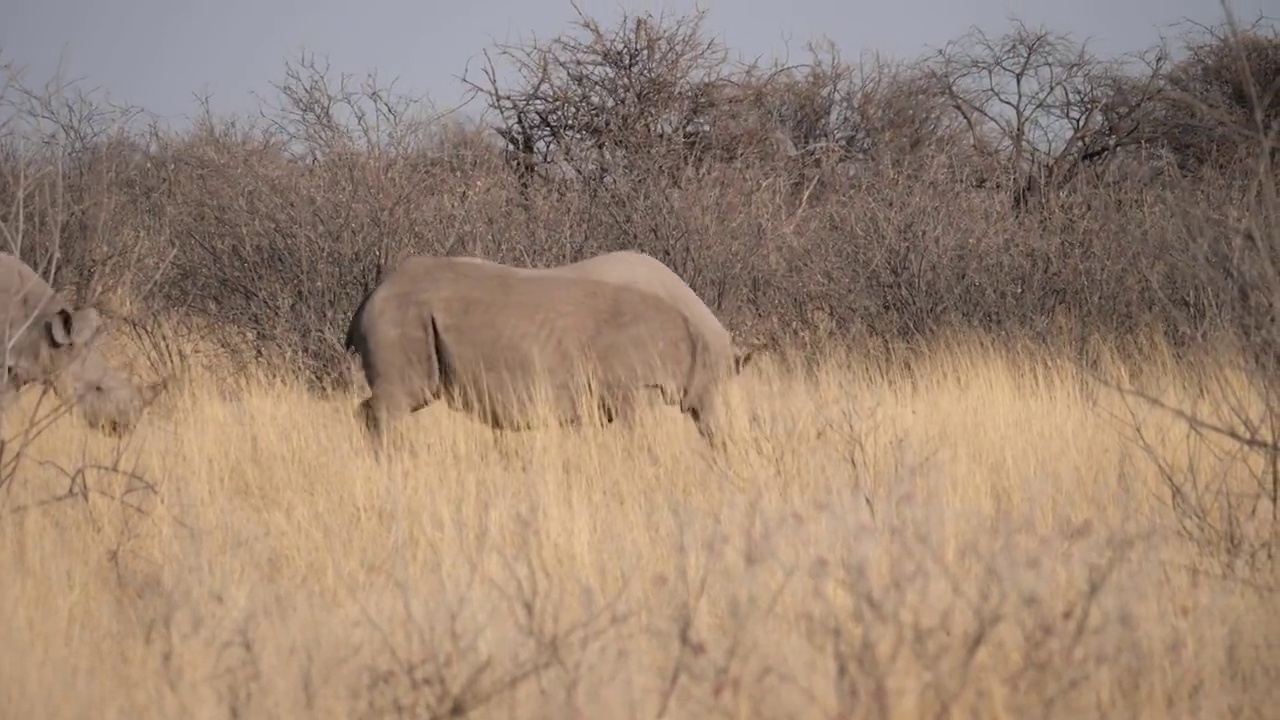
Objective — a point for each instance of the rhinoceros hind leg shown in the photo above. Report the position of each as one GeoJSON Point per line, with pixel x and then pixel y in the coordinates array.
{"type": "Point", "coordinates": [381, 410]}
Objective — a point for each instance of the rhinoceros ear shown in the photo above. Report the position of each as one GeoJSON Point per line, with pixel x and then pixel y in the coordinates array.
{"type": "Point", "coordinates": [66, 327]}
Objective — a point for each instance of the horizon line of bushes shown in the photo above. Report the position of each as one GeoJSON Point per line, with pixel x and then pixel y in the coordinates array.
{"type": "Point", "coordinates": [1014, 184]}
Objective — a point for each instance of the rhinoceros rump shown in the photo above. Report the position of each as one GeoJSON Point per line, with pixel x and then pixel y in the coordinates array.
{"type": "Point", "coordinates": [47, 342]}
{"type": "Point", "coordinates": [482, 336]}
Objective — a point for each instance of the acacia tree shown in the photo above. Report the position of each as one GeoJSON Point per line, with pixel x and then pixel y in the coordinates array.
{"type": "Point", "coordinates": [1042, 106]}
{"type": "Point", "coordinates": [599, 107]}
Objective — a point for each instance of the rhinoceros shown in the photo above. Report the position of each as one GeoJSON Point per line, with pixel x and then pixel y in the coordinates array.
{"type": "Point", "coordinates": [482, 336]}
{"type": "Point", "coordinates": [49, 343]}
{"type": "Point", "coordinates": [639, 270]}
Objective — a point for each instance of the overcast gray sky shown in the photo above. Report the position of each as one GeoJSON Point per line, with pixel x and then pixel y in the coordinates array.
{"type": "Point", "coordinates": [157, 53]}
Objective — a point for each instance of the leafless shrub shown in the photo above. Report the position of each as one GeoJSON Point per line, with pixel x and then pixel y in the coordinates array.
{"type": "Point", "coordinates": [282, 221]}
{"type": "Point", "coordinates": [1214, 99]}
{"type": "Point", "coordinates": [616, 106]}
{"type": "Point", "coordinates": [1042, 107]}
{"type": "Point", "coordinates": [829, 200]}
{"type": "Point", "coordinates": [1238, 254]}
{"type": "Point", "coordinates": [35, 223]}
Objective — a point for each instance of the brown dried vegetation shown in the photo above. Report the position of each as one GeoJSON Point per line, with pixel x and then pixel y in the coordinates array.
{"type": "Point", "coordinates": [1111, 224]}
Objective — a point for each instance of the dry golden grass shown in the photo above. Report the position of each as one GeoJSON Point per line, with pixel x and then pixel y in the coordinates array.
{"type": "Point", "coordinates": [978, 533]}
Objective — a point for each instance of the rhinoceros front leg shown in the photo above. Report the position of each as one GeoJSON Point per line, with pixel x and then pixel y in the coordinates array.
{"type": "Point", "coordinates": [619, 407]}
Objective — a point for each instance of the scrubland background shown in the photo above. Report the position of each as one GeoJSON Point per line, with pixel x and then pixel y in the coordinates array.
{"type": "Point", "coordinates": [1012, 450]}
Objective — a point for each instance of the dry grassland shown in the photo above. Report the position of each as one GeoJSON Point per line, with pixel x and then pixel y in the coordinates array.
{"type": "Point", "coordinates": [977, 536]}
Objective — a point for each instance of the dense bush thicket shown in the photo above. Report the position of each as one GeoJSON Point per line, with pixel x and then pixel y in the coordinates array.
{"type": "Point", "coordinates": [1012, 183]}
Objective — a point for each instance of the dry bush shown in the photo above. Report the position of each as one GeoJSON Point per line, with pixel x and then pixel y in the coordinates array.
{"type": "Point", "coordinates": [877, 201]}
{"type": "Point", "coordinates": [62, 164]}
{"type": "Point", "coordinates": [67, 163]}
{"type": "Point", "coordinates": [281, 223]}
{"type": "Point", "coordinates": [1236, 422]}
{"type": "Point", "coordinates": [1208, 116]}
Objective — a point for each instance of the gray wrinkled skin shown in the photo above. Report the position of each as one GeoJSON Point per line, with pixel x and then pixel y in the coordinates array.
{"type": "Point", "coordinates": [477, 334]}
{"type": "Point", "coordinates": [47, 342]}
{"type": "Point", "coordinates": [645, 272]}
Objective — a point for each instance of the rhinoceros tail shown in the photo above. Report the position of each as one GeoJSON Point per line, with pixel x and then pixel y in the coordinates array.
{"type": "Point", "coordinates": [354, 327]}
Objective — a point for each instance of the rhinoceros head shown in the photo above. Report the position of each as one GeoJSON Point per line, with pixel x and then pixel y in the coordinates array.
{"type": "Point", "coordinates": [42, 348]}
{"type": "Point", "coordinates": [107, 398]}
{"type": "Point", "coordinates": [57, 350]}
